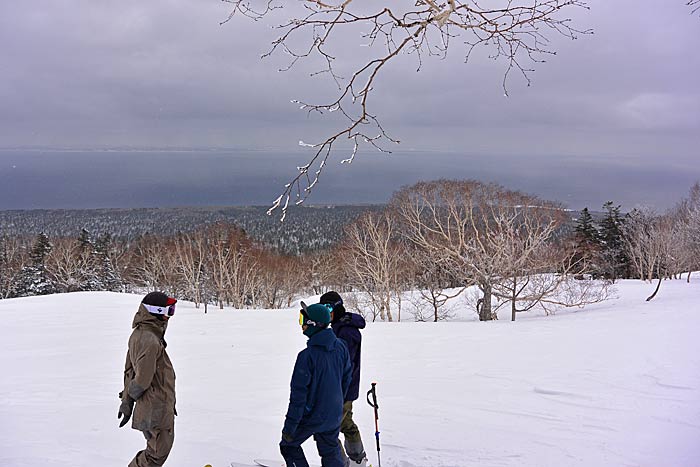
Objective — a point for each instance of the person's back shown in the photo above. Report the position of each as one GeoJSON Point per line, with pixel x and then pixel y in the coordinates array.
{"type": "Point", "coordinates": [346, 327]}
{"type": "Point", "coordinates": [318, 374]}
{"type": "Point", "coordinates": [320, 380]}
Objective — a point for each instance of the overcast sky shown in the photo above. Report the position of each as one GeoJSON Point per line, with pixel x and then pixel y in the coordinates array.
{"type": "Point", "coordinates": [163, 73]}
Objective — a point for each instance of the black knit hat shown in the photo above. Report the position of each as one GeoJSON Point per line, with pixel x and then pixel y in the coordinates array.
{"type": "Point", "coordinates": [333, 298]}
{"type": "Point", "coordinates": [158, 299]}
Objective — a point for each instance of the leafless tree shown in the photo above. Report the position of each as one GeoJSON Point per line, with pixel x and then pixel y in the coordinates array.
{"type": "Point", "coordinates": [571, 292]}
{"type": "Point", "coordinates": [692, 239]}
{"type": "Point", "coordinates": [69, 264]}
{"type": "Point", "coordinates": [280, 279]}
{"type": "Point", "coordinates": [435, 285]}
{"type": "Point", "coordinates": [666, 242]}
{"type": "Point", "coordinates": [13, 258]}
{"type": "Point", "coordinates": [151, 264]}
{"type": "Point", "coordinates": [450, 220]}
{"type": "Point", "coordinates": [497, 239]}
{"type": "Point", "coordinates": [686, 246]}
{"type": "Point", "coordinates": [190, 255]}
{"type": "Point", "coordinates": [524, 242]}
{"type": "Point", "coordinates": [536, 286]}
{"type": "Point", "coordinates": [373, 261]}
{"type": "Point", "coordinates": [228, 264]}
{"type": "Point", "coordinates": [653, 243]}
{"type": "Point", "coordinates": [637, 241]}
{"type": "Point", "coordinates": [324, 271]}
{"type": "Point", "coordinates": [649, 240]}
{"type": "Point", "coordinates": [514, 31]}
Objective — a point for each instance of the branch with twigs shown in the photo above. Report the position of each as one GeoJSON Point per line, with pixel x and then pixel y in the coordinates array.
{"type": "Point", "coordinates": [515, 33]}
{"type": "Point", "coordinates": [695, 4]}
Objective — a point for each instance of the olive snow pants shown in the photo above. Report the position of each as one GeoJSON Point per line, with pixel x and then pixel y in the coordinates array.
{"type": "Point", "coordinates": [158, 445]}
{"type": "Point", "coordinates": [353, 441]}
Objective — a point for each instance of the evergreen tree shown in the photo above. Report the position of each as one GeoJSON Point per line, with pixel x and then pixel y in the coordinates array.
{"type": "Point", "coordinates": [585, 230]}
{"type": "Point", "coordinates": [106, 273]}
{"type": "Point", "coordinates": [615, 261]}
{"type": "Point", "coordinates": [89, 275]}
{"type": "Point", "coordinates": [84, 240]}
{"type": "Point", "coordinates": [35, 279]}
{"type": "Point", "coordinates": [40, 250]}
{"type": "Point", "coordinates": [587, 242]}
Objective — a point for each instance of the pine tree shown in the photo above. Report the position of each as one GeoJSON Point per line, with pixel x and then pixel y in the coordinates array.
{"type": "Point", "coordinates": [40, 249]}
{"type": "Point", "coordinates": [107, 275]}
{"type": "Point", "coordinates": [84, 239]}
{"type": "Point", "coordinates": [89, 277]}
{"type": "Point", "coordinates": [587, 242]}
{"type": "Point", "coordinates": [585, 230]}
{"type": "Point", "coordinates": [615, 261]}
{"type": "Point", "coordinates": [35, 279]}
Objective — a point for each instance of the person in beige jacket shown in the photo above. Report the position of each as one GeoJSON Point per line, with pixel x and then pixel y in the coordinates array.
{"type": "Point", "coordinates": [149, 381]}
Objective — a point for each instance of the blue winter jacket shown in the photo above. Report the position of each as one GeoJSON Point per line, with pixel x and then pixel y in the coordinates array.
{"type": "Point", "coordinates": [320, 380]}
{"type": "Point", "coordinates": [348, 329]}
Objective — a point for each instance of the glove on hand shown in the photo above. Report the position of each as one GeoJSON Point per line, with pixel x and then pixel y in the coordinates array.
{"type": "Point", "coordinates": [287, 437]}
{"type": "Point", "coordinates": [125, 409]}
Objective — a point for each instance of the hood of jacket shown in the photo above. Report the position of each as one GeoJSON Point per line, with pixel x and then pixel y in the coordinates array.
{"type": "Point", "coordinates": [350, 319]}
{"type": "Point", "coordinates": [146, 320]}
{"type": "Point", "coordinates": [324, 338]}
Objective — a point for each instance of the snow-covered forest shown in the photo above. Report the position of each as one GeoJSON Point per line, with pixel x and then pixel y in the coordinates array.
{"type": "Point", "coordinates": [308, 228]}
{"type": "Point", "coordinates": [431, 242]}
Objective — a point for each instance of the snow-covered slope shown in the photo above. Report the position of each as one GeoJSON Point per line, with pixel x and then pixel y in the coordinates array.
{"type": "Point", "coordinates": [616, 384]}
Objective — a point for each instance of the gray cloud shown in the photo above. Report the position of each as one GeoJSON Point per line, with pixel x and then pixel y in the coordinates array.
{"type": "Point", "coordinates": [163, 73]}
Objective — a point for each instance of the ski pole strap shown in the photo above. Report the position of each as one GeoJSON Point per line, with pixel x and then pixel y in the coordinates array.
{"type": "Point", "coordinates": [373, 392]}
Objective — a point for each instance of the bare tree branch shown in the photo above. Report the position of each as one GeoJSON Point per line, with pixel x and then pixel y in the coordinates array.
{"type": "Point", "coordinates": [695, 4]}
{"type": "Point", "coordinates": [515, 31]}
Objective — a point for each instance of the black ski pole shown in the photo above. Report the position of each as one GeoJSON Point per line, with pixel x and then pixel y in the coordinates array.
{"type": "Point", "coordinates": [373, 403]}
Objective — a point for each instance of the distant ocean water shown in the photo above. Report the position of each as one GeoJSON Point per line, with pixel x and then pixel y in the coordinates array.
{"type": "Point", "coordinates": [95, 179]}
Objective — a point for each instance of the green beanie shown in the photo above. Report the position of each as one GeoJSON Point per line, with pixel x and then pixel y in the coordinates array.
{"type": "Point", "coordinates": [317, 317]}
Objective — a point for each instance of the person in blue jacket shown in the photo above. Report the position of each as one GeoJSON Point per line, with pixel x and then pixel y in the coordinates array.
{"type": "Point", "coordinates": [346, 327]}
{"type": "Point", "coordinates": [320, 380]}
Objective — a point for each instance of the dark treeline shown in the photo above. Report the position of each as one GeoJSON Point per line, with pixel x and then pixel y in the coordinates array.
{"type": "Point", "coordinates": [216, 264]}
{"type": "Point", "coordinates": [430, 242]}
{"type": "Point", "coordinates": [306, 228]}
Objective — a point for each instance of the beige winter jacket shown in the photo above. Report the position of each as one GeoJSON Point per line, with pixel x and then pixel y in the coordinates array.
{"type": "Point", "coordinates": [149, 377]}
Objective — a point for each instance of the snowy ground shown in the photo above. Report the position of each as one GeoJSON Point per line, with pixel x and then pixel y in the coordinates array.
{"type": "Point", "coordinates": [616, 384]}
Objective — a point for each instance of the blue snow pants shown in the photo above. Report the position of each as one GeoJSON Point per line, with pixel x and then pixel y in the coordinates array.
{"type": "Point", "coordinates": [326, 443]}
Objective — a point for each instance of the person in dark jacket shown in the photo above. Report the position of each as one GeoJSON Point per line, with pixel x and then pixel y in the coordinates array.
{"type": "Point", "coordinates": [149, 381]}
{"type": "Point", "coordinates": [346, 327]}
{"type": "Point", "coordinates": [320, 380]}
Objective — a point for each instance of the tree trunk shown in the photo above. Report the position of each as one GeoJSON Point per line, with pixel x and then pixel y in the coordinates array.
{"type": "Point", "coordinates": [485, 311]}
{"type": "Point", "coordinates": [658, 285]}
{"type": "Point", "coordinates": [512, 301]}
{"type": "Point", "coordinates": [398, 306]}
